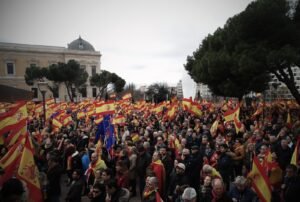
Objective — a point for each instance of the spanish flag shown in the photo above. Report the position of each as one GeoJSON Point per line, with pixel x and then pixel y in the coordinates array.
{"type": "Point", "coordinates": [186, 104]}
{"type": "Point", "coordinates": [28, 172]}
{"type": "Point", "coordinates": [127, 96]}
{"type": "Point", "coordinates": [11, 159]}
{"type": "Point", "coordinates": [230, 114]}
{"type": "Point", "coordinates": [195, 109]}
{"type": "Point", "coordinates": [214, 127]}
{"type": "Point", "coordinates": [158, 109]}
{"type": "Point", "coordinates": [260, 182]}
{"type": "Point", "coordinates": [98, 119]}
{"type": "Point", "coordinates": [12, 117]}
{"type": "Point", "coordinates": [295, 156]}
{"type": "Point", "coordinates": [120, 120]}
{"type": "Point", "coordinates": [105, 108]}
{"type": "Point", "coordinates": [172, 112]}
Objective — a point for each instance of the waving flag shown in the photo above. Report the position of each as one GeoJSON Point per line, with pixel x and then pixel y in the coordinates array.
{"type": "Point", "coordinates": [29, 173]}
{"type": "Point", "coordinates": [9, 119]}
{"type": "Point", "coordinates": [260, 181]}
{"type": "Point", "coordinates": [295, 156]}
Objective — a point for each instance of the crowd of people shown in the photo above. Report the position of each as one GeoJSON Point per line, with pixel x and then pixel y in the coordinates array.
{"type": "Point", "coordinates": [157, 159]}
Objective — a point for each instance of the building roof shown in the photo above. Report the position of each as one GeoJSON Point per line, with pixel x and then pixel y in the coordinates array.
{"type": "Point", "coordinates": [80, 44]}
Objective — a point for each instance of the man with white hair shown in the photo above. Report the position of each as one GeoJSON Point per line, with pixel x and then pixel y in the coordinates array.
{"type": "Point", "coordinates": [240, 191]}
{"type": "Point", "coordinates": [219, 192]}
{"type": "Point", "coordinates": [150, 193]}
{"type": "Point", "coordinates": [189, 195]}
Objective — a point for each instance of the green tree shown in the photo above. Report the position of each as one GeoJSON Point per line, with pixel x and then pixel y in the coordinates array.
{"type": "Point", "coordinates": [158, 92]}
{"type": "Point", "coordinates": [105, 78]}
{"type": "Point", "coordinates": [70, 74]}
{"type": "Point", "coordinates": [239, 57]}
{"type": "Point", "coordinates": [34, 74]}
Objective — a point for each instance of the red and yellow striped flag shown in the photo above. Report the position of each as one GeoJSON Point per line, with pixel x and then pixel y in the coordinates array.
{"type": "Point", "coordinates": [127, 96]}
{"type": "Point", "coordinates": [28, 172]}
{"type": "Point", "coordinates": [105, 108]}
{"type": "Point", "coordinates": [230, 114]}
{"type": "Point", "coordinates": [260, 182]}
{"type": "Point", "coordinates": [12, 117]}
{"type": "Point", "coordinates": [295, 157]}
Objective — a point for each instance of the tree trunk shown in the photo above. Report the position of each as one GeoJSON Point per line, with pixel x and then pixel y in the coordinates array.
{"type": "Point", "coordinates": [69, 91]}
{"type": "Point", "coordinates": [288, 80]}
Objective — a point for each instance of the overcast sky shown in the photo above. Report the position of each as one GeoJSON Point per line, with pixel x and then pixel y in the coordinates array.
{"type": "Point", "coordinates": [143, 41]}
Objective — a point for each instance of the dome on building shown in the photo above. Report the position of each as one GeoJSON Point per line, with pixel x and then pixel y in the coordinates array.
{"type": "Point", "coordinates": [80, 44]}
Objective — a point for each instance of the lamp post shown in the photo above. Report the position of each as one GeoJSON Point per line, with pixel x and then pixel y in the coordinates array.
{"type": "Point", "coordinates": [43, 87]}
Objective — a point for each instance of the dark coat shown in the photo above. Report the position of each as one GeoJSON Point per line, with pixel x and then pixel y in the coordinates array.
{"type": "Point", "coordinates": [246, 196]}
{"type": "Point", "coordinates": [74, 193]}
{"type": "Point", "coordinates": [53, 177]}
{"type": "Point", "coordinates": [292, 189]}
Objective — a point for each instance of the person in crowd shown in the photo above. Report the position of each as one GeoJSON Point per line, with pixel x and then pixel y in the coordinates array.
{"type": "Point", "coordinates": [13, 191]}
{"type": "Point", "coordinates": [151, 193]}
{"type": "Point", "coordinates": [196, 165]}
{"type": "Point", "coordinates": [224, 165]}
{"type": "Point", "coordinates": [76, 189]}
{"type": "Point", "coordinates": [98, 193]}
{"type": "Point", "coordinates": [167, 162]}
{"type": "Point", "coordinates": [205, 190]}
{"type": "Point", "coordinates": [189, 195]}
{"type": "Point", "coordinates": [54, 173]}
{"type": "Point", "coordinates": [284, 153]}
{"type": "Point", "coordinates": [95, 164]}
{"type": "Point", "coordinates": [240, 191]}
{"type": "Point", "coordinates": [122, 174]}
{"type": "Point", "coordinates": [178, 182]}
{"type": "Point", "coordinates": [159, 171]}
{"type": "Point", "coordinates": [132, 172]}
{"type": "Point", "coordinates": [291, 184]}
{"type": "Point", "coordinates": [114, 193]}
{"type": "Point", "coordinates": [143, 161]}
{"type": "Point", "coordinates": [219, 191]}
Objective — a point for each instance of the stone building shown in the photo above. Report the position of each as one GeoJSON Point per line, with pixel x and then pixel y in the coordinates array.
{"type": "Point", "coordinates": [15, 58]}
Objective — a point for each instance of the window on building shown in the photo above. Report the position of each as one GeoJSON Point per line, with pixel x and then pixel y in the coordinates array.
{"type": "Point", "coordinates": [10, 69]}
{"type": "Point", "coordinates": [83, 92]}
{"type": "Point", "coordinates": [93, 70]}
{"type": "Point", "coordinates": [34, 92]}
{"type": "Point", "coordinates": [94, 92]}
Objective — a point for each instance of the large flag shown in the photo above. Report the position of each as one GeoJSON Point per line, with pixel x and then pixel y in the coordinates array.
{"type": "Point", "coordinates": [120, 120]}
{"type": "Point", "coordinates": [186, 103]}
{"type": "Point", "coordinates": [105, 108]}
{"type": "Point", "coordinates": [15, 134]}
{"type": "Point", "coordinates": [171, 112]}
{"type": "Point", "coordinates": [12, 117]}
{"type": "Point", "coordinates": [260, 182]}
{"type": "Point", "coordinates": [295, 157]}
{"type": "Point", "coordinates": [230, 114]}
{"type": "Point", "coordinates": [195, 109]}
{"type": "Point", "coordinates": [101, 129]}
{"type": "Point", "coordinates": [127, 96]}
{"type": "Point", "coordinates": [28, 172]}
{"type": "Point", "coordinates": [10, 161]}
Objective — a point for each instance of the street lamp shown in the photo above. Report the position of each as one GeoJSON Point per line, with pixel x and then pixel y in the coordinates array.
{"type": "Point", "coordinates": [43, 87]}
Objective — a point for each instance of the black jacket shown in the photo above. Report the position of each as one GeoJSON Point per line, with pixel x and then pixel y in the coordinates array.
{"type": "Point", "coordinates": [74, 193]}
{"type": "Point", "coordinates": [53, 177]}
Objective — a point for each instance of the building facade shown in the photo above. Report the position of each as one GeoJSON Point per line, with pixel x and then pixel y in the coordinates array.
{"type": "Point", "coordinates": [203, 90]}
{"type": "Point", "coordinates": [278, 90]}
{"type": "Point", "coordinates": [15, 58]}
